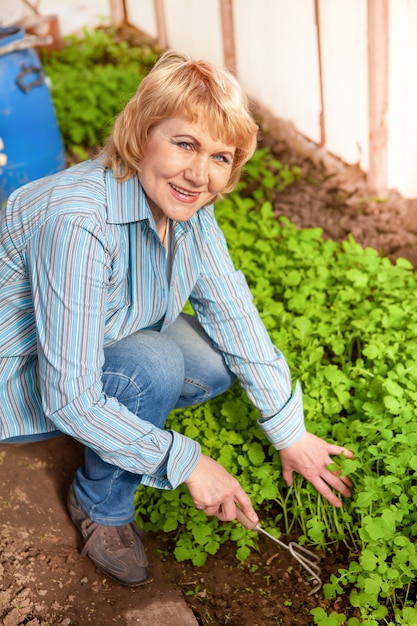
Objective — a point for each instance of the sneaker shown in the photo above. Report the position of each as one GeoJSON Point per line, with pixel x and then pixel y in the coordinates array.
{"type": "Point", "coordinates": [116, 550]}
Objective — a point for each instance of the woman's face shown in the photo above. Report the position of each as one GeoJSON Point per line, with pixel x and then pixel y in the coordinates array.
{"type": "Point", "coordinates": [183, 168]}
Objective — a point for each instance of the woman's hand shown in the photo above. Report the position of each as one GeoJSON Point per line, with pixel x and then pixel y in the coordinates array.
{"type": "Point", "coordinates": [310, 456]}
{"type": "Point", "coordinates": [217, 492]}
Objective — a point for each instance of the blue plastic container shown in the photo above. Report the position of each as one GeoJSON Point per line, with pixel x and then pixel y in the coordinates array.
{"type": "Point", "coordinates": [28, 126]}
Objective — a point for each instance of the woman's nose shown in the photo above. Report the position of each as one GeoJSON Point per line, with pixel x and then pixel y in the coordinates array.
{"type": "Point", "coordinates": [198, 170]}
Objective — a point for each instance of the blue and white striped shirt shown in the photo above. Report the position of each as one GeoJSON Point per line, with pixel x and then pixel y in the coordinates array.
{"type": "Point", "coordinates": [81, 266]}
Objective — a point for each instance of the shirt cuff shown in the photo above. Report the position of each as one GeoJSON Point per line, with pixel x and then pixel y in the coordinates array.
{"type": "Point", "coordinates": [286, 427]}
{"type": "Point", "coordinates": [178, 465]}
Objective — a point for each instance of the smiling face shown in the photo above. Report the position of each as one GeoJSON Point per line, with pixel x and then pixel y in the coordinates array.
{"type": "Point", "coordinates": [183, 168]}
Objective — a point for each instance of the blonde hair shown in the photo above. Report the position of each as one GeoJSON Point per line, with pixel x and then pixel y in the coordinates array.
{"type": "Point", "coordinates": [176, 85]}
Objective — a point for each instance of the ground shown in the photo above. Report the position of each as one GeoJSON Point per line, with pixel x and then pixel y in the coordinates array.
{"type": "Point", "coordinates": [338, 199]}
{"type": "Point", "coordinates": [44, 579]}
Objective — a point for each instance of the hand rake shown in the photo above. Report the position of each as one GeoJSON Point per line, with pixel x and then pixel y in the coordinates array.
{"type": "Point", "coordinates": [307, 559]}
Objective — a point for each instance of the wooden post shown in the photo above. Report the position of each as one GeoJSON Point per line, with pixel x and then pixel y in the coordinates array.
{"type": "Point", "coordinates": [320, 62]}
{"type": "Point", "coordinates": [161, 27]}
{"type": "Point", "coordinates": [228, 32]}
{"type": "Point", "coordinates": [118, 12]}
{"type": "Point", "coordinates": [378, 49]}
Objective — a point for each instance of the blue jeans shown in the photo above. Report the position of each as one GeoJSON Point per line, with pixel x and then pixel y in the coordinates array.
{"type": "Point", "coordinates": [151, 374]}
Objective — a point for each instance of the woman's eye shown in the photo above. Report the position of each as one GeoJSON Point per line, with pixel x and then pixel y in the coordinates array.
{"type": "Point", "coordinates": [222, 158]}
{"type": "Point", "coordinates": [184, 144]}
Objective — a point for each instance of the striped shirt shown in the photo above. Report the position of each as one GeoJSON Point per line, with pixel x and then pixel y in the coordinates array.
{"type": "Point", "coordinates": [81, 267]}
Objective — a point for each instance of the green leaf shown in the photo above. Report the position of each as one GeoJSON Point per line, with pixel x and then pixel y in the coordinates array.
{"type": "Point", "coordinates": [322, 619]}
{"type": "Point", "coordinates": [256, 454]}
{"type": "Point", "coordinates": [242, 553]}
{"type": "Point", "coordinates": [199, 559]}
{"type": "Point", "coordinates": [201, 534]}
{"type": "Point", "coordinates": [392, 404]}
{"type": "Point", "coordinates": [170, 524]}
{"type": "Point", "coordinates": [182, 553]}
{"type": "Point", "coordinates": [372, 351]}
{"type": "Point", "coordinates": [373, 586]}
{"type": "Point", "coordinates": [357, 277]}
{"type": "Point", "coordinates": [368, 560]}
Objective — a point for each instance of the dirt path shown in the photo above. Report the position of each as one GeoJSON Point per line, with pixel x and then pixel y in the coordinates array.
{"type": "Point", "coordinates": [44, 580]}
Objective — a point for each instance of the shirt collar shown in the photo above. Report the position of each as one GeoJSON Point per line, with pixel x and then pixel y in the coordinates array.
{"type": "Point", "coordinates": [126, 202]}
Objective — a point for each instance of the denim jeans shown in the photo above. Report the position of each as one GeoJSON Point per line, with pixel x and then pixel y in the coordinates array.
{"type": "Point", "coordinates": [151, 374]}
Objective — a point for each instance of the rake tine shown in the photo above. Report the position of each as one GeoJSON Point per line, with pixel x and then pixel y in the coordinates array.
{"type": "Point", "coordinates": [310, 563]}
{"type": "Point", "coordinates": [307, 559]}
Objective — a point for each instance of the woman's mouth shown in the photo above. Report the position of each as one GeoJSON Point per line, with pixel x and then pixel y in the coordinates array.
{"type": "Point", "coordinates": [184, 194]}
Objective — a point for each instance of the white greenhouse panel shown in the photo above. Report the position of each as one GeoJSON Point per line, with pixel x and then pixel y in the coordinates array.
{"type": "Point", "coordinates": [194, 27]}
{"type": "Point", "coordinates": [402, 124]}
{"type": "Point", "coordinates": [277, 64]}
{"type": "Point", "coordinates": [10, 12]}
{"type": "Point", "coordinates": [344, 40]}
{"type": "Point", "coordinates": [74, 15]}
{"type": "Point", "coordinates": [141, 14]}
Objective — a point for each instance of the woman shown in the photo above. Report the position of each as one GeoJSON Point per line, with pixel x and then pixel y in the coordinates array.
{"type": "Point", "coordinates": [96, 265]}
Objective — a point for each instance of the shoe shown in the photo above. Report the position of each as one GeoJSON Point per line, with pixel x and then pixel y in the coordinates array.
{"type": "Point", "coordinates": [116, 550]}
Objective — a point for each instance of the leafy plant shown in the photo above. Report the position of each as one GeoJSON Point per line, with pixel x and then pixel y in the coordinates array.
{"type": "Point", "coordinates": [275, 176]}
{"type": "Point", "coordinates": [91, 80]}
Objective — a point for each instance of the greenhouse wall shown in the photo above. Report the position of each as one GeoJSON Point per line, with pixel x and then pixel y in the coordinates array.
{"type": "Point", "coordinates": [340, 72]}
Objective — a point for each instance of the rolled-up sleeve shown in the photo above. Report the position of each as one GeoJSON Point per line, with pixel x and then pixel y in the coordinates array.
{"type": "Point", "coordinates": [287, 426]}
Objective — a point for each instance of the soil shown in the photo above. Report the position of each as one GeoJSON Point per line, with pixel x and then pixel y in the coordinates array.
{"type": "Point", "coordinates": [45, 581]}
{"type": "Point", "coordinates": [337, 198]}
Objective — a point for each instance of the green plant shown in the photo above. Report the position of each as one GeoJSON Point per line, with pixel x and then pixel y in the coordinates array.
{"type": "Point", "coordinates": [273, 174]}
{"type": "Point", "coordinates": [91, 80]}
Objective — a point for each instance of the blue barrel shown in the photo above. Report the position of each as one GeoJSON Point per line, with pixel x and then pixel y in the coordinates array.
{"type": "Point", "coordinates": [31, 144]}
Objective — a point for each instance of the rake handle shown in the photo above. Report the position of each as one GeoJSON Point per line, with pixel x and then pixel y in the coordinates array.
{"type": "Point", "coordinates": [245, 521]}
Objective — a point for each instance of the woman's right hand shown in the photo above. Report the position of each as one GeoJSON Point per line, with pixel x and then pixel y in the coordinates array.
{"type": "Point", "coordinates": [216, 492]}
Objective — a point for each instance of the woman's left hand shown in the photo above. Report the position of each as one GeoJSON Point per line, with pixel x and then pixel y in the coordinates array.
{"type": "Point", "coordinates": [310, 457]}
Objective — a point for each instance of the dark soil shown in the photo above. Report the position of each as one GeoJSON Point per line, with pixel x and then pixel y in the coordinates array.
{"type": "Point", "coordinates": [337, 198]}
{"type": "Point", "coordinates": [44, 580]}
